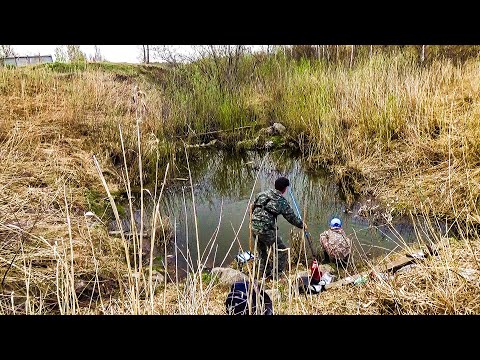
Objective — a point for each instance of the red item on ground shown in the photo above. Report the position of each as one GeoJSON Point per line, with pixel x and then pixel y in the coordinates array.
{"type": "Point", "coordinates": [316, 273]}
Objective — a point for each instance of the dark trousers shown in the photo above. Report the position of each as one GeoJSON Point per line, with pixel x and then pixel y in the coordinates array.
{"type": "Point", "coordinates": [264, 243]}
{"type": "Point", "coordinates": [326, 259]}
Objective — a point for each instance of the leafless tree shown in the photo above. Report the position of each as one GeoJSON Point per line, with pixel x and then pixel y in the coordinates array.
{"type": "Point", "coordinates": [268, 49]}
{"type": "Point", "coordinates": [69, 53]}
{"type": "Point", "coordinates": [75, 54]}
{"type": "Point", "coordinates": [225, 64]}
{"type": "Point", "coordinates": [61, 54]}
{"type": "Point", "coordinates": [423, 53]}
{"type": "Point", "coordinates": [97, 57]}
{"type": "Point", "coordinates": [146, 54]}
{"type": "Point", "coordinates": [6, 50]}
{"type": "Point", "coordinates": [169, 54]}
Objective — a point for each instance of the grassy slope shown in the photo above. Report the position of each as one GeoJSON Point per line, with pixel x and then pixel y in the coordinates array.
{"type": "Point", "coordinates": [412, 133]}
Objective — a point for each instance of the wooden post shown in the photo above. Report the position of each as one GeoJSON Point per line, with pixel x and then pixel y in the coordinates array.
{"type": "Point", "coordinates": [351, 56]}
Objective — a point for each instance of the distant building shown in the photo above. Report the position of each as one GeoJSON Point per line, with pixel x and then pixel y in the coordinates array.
{"type": "Point", "coordinates": [25, 60]}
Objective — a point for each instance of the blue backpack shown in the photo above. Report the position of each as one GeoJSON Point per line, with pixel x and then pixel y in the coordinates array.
{"type": "Point", "coordinates": [237, 300]}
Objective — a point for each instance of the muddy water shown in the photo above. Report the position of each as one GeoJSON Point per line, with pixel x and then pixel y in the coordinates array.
{"type": "Point", "coordinates": [222, 186]}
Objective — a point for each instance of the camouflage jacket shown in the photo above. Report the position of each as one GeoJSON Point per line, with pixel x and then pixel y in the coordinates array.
{"type": "Point", "coordinates": [336, 243]}
{"type": "Point", "coordinates": [266, 207]}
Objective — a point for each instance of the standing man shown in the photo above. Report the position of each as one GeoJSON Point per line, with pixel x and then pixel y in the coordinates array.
{"type": "Point", "coordinates": [265, 209]}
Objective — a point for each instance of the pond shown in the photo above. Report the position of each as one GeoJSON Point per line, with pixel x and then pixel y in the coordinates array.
{"type": "Point", "coordinates": [223, 184]}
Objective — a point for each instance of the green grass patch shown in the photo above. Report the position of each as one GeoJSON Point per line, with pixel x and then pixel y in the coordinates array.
{"type": "Point", "coordinates": [96, 202]}
{"type": "Point", "coordinates": [208, 278]}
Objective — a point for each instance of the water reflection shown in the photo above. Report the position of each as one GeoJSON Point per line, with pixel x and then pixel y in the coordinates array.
{"type": "Point", "coordinates": [222, 186]}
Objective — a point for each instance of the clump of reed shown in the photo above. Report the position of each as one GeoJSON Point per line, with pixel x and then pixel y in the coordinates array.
{"type": "Point", "coordinates": [386, 118]}
{"type": "Point", "coordinates": [383, 123]}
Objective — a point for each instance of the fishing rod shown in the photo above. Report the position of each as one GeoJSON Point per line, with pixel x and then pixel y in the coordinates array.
{"type": "Point", "coordinates": [307, 235]}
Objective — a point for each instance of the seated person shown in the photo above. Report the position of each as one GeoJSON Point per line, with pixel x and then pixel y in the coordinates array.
{"type": "Point", "coordinates": [335, 243]}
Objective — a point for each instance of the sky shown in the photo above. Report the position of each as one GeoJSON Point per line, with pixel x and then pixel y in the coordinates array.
{"type": "Point", "coordinates": [112, 53]}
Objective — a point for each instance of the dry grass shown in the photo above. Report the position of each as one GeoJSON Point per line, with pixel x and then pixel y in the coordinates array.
{"type": "Point", "coordinates": [443, 284]}
{"type": "Point", "coordinates": [51, 125]}
{"type": "Point", "coordinates": [407, 134]}
{"type": "Point", "coordinates": [447, 284]}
